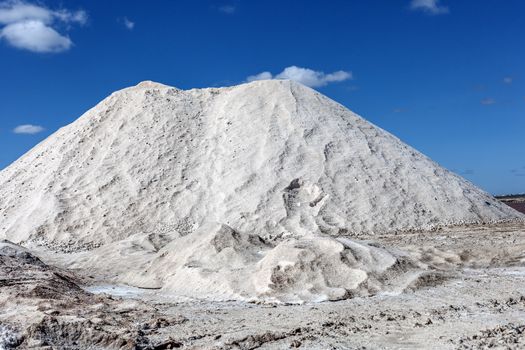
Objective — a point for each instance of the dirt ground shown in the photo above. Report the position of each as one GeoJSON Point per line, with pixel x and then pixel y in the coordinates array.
{"type": "Point", "coordinates": [478, 302]}
{"type": "Point", "coordinates": [514, 201]}
{"type": "Point", "coordinates": [518, 206]}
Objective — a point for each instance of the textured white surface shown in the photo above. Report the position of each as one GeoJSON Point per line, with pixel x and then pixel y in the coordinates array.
{"type": "Point", "coordinates": [234, 192]}
{"type": "Point", "coordinates": [155, 159]}
{"type": "Point", "coordinates": [218, 263]}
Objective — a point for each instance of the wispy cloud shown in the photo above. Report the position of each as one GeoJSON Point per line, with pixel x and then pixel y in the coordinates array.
{"type": "Point", "coordinates": [28, 129]}
{"type": "Point", "coordinates": [227, 9]}
{"type": "Point", "coordinates": [306, 76]}
{"type": "Point", "coordinates": [129, 24]}
{"type": "Point", "coordinates": [34, 27]}
{"type": "Point", "coordinates": [507, 80]}
{"type": "Point", "coordinates": [488, 101]}
{"type": "Point", "coordinates": [260, 76]}
{"type": "Point", "coordinates": [432, 7]}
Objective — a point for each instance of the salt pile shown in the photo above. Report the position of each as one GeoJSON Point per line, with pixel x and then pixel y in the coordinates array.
{"type": "Point", "coordinates": [236, 192]}
{"type": "Point", "coordinates": [218, 262]}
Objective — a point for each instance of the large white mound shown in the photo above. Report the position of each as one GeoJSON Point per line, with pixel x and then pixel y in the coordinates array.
{"type": "Point", "coordinates": [270, 158]}
{"type": "Point", "coordinates": [244, 192]}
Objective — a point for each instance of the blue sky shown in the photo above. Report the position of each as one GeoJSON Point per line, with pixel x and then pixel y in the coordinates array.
{"type": "Point", "coordinates": [447, 77]}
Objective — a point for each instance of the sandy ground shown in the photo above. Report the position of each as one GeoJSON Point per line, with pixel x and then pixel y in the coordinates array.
{"type": "Point", "coordinates": [478, 303]}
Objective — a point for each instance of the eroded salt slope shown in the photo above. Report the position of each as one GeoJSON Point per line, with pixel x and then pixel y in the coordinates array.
{"type": "Point", "coordinates": [270, 158]}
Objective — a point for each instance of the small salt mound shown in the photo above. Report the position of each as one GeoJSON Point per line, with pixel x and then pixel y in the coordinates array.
{"type": "Point", "coordinates": [210, 263]}
{"type": "Point", "coordinates": [320, 268]}
{"type": "Point", "coordinates": [219, 263]}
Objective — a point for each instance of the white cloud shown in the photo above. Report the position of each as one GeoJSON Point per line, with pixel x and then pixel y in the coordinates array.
{"type": "Point", "coordinates": [12, 11]}
{"type": "Point", "coordinates": [488, 101]}
{"type": "Point", "coordinates": [429, 6]}
{"type": "Point", "coordinates": [28, 129]}
{"type": "Point", "coordinates": [507, 80]}
{"type": "Point", "coordinates": [79, 17]}
{"type": "Point", "coordinates": [34, 27]}
{"type": "Point", "coordinates": [304, 76]}
{"type": "Point", "coordinates": [228, 9]}
{"type": "Point", "coordinates": [128, 23]}
{"type": "Point", "coordinates": [16, 11]}
{"type": "Point", "coordinates": [260, 76]}
{"type": "Point", "coordinates": [35, 36]}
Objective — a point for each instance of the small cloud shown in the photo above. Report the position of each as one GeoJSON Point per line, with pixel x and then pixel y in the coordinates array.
{"type": "Point", "coordinates": [304, 76]}
{"type": "Point", "coordinates": [35, 36]}
{"type": "Point", "coordinates": [128, 23]}
{"type": "Point", "coordinates": [34, 27]}
{"type": "Point", "coordinates": [28, 129]}
{"type": "Point", "coordinates": [431, 7]}
{"type": "Point", "coordinates": [78, 17]}
{"type": "Point", "coordinates": [507, 80]}
{"type": "Point", "coordinates": [488, 101]}
{"type": "Point", "coordinates": [260, 76]}
{"type": "Point", "coordinates": [13, 11]}
{"type": "Point", "coordinates": [227, 9]}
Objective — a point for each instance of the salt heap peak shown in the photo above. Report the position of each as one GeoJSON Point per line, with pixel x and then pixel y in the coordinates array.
{"type": "Point", "coordinates": [148, 84]}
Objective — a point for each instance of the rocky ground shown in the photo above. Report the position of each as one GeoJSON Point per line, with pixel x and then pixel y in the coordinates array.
{"type": "Point", "coordinates": [479, 302]}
